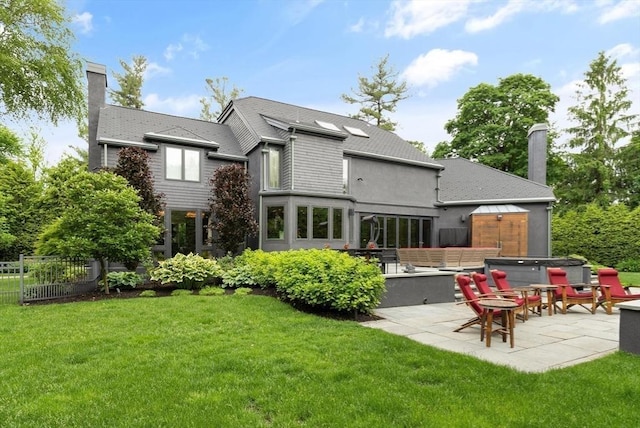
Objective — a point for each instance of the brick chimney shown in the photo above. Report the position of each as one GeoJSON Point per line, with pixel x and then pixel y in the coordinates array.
{"type": "Point", "coordinates": [537, 136]}
{"type": "Point", "coordinates": [97, 85]}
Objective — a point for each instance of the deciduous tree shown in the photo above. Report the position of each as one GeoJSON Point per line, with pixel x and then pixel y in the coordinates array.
{"type": "Point", "coordinates": [102, 221]}
{"type": "Point", "coordinates": [38, 71]}
{"type": "Point", "coordinates": [130, 83]}
{"type": "Point", "coordinates": [378, 96]}
{"type": "Point", "coordinates": [233, 215]}
{"type": "Point", "coordinates": [218, 98]}
{"type": "Point", "coordinates": [492, 122]}
{"type": "Point", "coordinates": [133, 164]}
{"type": "Point", "coordinates": [10, 145]}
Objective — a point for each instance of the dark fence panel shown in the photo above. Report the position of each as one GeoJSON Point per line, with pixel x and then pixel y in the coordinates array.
{"type": "Point", "coordinates": [35, 278]}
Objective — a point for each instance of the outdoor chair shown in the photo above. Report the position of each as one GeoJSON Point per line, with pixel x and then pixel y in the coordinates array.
{"type": "Point", "coordinates": [567, 294]}
{"type": "Point", "coordinates": [534, 301]}
{"type": "Point", "coordinates": [483, 287]}
{"type": "Point", "coordinates": [611, 290]}
{"type": "Point", "coordinates": [471, 300]}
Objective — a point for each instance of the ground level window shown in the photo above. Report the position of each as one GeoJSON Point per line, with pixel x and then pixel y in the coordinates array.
{"type": "Point", "coordinates": [183, 232]}
{"type": "Point", "coordinates": [275, 222]}
{"type": "Point", "coordinates": [302, 223]}
{"type": "Point", "coordinates": [320, 223]}
{"type": "Point", "coordinates": [337, 223]}
{"type": "Point", "coordinates": [396, 232]}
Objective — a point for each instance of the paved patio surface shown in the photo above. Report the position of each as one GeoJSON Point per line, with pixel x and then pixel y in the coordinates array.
{"type": "Point", "coordinates": [541, 343]}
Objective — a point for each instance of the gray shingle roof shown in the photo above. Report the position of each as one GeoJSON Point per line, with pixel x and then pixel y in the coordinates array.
{"type": "Point", "coordinates": [463, 181]}
{"type": "Point", "coordinates": [380, 142]}
{"type": "Point", "coordinates": [131, 124]}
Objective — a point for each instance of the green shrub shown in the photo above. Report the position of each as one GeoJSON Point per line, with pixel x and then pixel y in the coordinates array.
{"type": "Point", "coordinates": [252, 268]}
{"type": "Point", "coordinates": [629, 265]}
{"type": "Point", "coordinates": [181, 292]}
{"type": "Point", "coordinates": [243, 291]}
{"type": "Point", "coordinates": [211, 291]}
{"type": "Point", "coordinates": [187, 272]}
{"type": "Point", "coordinates": [329, 279]}
{"type": "Point", "coordinates": [124, 280]}
{"type": "Point", "coordinates": [148, 293]}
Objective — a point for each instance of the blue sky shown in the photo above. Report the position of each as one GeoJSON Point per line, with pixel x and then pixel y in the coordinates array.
{"type": "Point", "coordinates": [309, 52]}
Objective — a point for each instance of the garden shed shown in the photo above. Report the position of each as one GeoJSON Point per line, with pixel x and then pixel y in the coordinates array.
{"type": "Point", "coordinates": [502, 226]}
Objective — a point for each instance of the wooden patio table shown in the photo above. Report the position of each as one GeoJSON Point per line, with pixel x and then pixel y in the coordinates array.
{"type": "Point", "coordinates": [507, 308]}
{"type": "Point", "coordinates": [549, 288]}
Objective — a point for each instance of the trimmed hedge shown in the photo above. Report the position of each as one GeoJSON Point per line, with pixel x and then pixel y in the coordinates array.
{"type": "Point", "coordinates": [608, 236]}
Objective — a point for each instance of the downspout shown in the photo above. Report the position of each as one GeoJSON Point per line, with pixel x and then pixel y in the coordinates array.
{"type": "Point", "coordinates": [105, 156]}
{"type": "Point", "coordinates": [292, 140]}
{"type": "Point", "coordinates": [438, 176]}
{"type": "Point", "coordinates": [549, 219]}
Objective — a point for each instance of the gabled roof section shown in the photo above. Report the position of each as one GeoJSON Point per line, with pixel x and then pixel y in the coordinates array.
{"type": "Point", "coordinates": [143, 127]}
{"type": "Point", "coordinates": [381, 144]}
{"type": "Point", "coordinates": [465, 182]}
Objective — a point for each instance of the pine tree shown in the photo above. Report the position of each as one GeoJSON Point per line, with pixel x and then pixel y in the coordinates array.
{"type": "Point", "coordinates": [130, 83]}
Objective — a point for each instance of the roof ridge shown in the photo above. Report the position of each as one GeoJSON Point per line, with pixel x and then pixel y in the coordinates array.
{"type": "Point", "coordinates": [162, 114]}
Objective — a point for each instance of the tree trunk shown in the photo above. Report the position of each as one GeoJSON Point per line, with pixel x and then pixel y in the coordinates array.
{"type": "Point", "coordinates": [103, 274]}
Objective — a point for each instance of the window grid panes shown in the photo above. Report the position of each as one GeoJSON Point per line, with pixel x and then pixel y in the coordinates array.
{"type": "Point", "coordinates": [302, 223]}
{"type": "Point", "coordinates": [182, 164]}
{"type": "Point", "coordinates": [275, 222]}
{"type": "Point", "coordinates": [320, 223]}
{"type": "Point", "coordinates": [274, 168]}
{"type": "Point", "coordinates": [337, 223]}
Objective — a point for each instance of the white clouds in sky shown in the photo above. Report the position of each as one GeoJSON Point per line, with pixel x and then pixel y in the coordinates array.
{"type": "Point", "coordinates": [187, 106]}
{"type": "Point", "coordinates": [83, 20]}
{"type": "Point", "coordinates": [154, 69]}
{"type": "Point", "coordinates": [621, 10]}
{"type": "Point", "coordinates": [437, 65]}
{"type": "Point", "coordinates": [411, 18]}
{"type": "Point", "coordinates": [191, 44]}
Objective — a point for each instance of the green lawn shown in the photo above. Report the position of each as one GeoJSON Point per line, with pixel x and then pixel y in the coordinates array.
{"type": "Point", "coordinates": [632, 278]}
{"type": "Point", "coordinates": [252, 361]}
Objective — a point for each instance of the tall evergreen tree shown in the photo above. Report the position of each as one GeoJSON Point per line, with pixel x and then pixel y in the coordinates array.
{"type": "Point", "coordinates": [218, 98]}
{"type": "Point", "coordinates": [601, 121]}
{"type": "Point", "coordinates": [130, 83]}
{"type": "Point", "coordinates": [378, 96]}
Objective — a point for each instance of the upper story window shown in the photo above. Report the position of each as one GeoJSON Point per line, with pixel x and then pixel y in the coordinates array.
{"type": "Point", "coordinates": [182, 164]}
{"type": "Point", "coordinates": [345, 175]}
{"type": "Point", "coordinates": [274, 170]}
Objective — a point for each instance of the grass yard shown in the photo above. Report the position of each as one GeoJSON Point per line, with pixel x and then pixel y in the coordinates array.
{"type": "Point", "coordinates": [632, 278]}
{"type": "Point", "coordinates": [252, 361]}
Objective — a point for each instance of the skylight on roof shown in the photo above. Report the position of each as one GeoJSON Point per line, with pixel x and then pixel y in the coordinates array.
{"type": "Point", "coordinates": [328, 125]}
{"type": "Point", "coordinates": [356, 131]}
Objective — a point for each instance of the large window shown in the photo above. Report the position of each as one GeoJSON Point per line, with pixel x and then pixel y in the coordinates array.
{"type": "Point", "coordinates": [182, 164]}
{"type": "Point", "coordinates": [275, 222]}
{"type": "Point", "coordinates": [325, 222]}
{"type": "Point", "coordinates": [320, 223]}
{"type": "Point", "coordinates": [183, 232]}
{"type": "Point", "coordinates": [345, 175]}
{"type": "Point", "coordinates": [397, 232]}
{"type": "Point", "coordinates": [274, 168]}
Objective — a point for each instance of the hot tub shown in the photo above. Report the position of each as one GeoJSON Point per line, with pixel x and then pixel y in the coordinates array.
{"type": "Point", "coordinates": [523, 271]}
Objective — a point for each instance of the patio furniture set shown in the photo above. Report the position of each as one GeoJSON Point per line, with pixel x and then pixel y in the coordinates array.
{"type": "Point", "coordinates": [505, 303]}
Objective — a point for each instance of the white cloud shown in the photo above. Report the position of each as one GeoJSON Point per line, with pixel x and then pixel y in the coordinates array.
{"type": "Point", "coordinates": [623, 50]}
{"type": "Point", "coordinates": [475, 25]}
{"type": "Point", "coordinates": [513, 7]}
{"type": "Point", "coordinates": [415, 17]}
{"type": "Point", "coordinates": [621, 10]}
{"type": "Point", "coordinates": [171, 50]}
{"type": "Point", "coordinates": [188, 106]}
{"type": "Point", "coordinates": [83, 20]}
{"type": "Point", "coordinates": [194, 45]}
{"type": "Point", "coordinates": [154, 69]}
{"type": "Point", "coordinates": [357, 27]}
{"type": "Point", "coordinates": [436, 66]}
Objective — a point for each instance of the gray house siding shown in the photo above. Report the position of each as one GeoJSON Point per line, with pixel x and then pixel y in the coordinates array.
{"type": "Point", "coordinates": [538, 230]}
{"type": "Point", "coordinates": [317, 164]}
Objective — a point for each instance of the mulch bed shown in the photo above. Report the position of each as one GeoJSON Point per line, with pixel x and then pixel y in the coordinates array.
{"type": "Point", "coordinates": [166, 291]}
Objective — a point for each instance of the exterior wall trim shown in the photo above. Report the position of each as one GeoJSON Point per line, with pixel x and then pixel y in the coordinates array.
{"type": "Point", "coordinates": [126, 143]}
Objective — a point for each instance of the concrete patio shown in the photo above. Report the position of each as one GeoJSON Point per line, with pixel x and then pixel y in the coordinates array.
{"type": "Point", "coordinates": [541, 343]}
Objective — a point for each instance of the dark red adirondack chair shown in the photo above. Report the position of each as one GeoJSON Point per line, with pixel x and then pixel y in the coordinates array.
{"type": "Point", "coordinates": [611, 290]}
